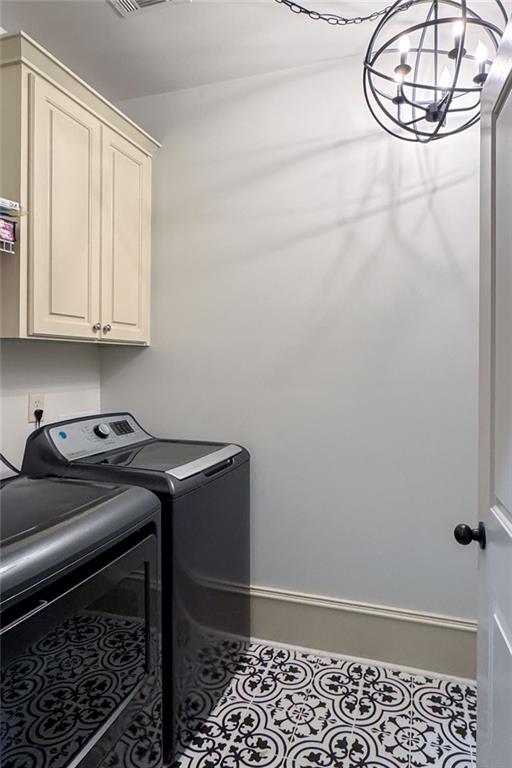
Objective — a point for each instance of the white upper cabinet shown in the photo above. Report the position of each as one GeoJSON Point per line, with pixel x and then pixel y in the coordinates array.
{"type": "Point", "coordinates": [64, 252]}
{"type": "Point", "coordinates": [82, 173]}
{"type": "Point", "coordinates": [125, 243]}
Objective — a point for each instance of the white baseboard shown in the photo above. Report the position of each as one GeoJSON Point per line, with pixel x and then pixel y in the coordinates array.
{"type": "Point", "coordinates": [443, 645]}
{"type": "Point", "coordinates": [369, 662]}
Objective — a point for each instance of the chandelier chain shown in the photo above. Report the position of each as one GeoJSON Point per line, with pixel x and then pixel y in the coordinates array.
{"type": "Point", "coordinates": [343, 21]}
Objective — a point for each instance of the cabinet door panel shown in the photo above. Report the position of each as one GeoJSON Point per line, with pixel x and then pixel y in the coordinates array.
{"type": "Point", "coordinates": [126, 219]}
{"type": "Point", "coordinates": [65, 215]}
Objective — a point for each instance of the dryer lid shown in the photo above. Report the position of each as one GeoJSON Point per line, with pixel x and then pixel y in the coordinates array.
{"type": "Point", "coordinates": [29, 506]}
{"type": "Point", "coordinates": [49, 525]}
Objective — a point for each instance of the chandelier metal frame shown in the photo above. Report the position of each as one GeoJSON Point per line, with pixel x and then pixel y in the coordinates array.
{"type": "Point", "coordinates": [446, 99]}
{"type": "Point", "coordinates": [443, 102]}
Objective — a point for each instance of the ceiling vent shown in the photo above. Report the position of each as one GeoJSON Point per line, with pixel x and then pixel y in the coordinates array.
{"type": "Point", "coordinates": [128, 7]}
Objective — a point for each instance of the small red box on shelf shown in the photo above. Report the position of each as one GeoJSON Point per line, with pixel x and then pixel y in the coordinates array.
{"type": "Point", "coordinates": [7, 230]}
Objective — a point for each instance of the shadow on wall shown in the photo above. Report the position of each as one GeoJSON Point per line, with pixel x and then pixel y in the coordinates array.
{"type": "Point", "coordinates": [249, 180]}
{"type": "Point", "coordinates": [314, 298]}
{"type": "Point", "coordinates": [292, 196]}
{"type": "Point", "coordinates": [369, 204]}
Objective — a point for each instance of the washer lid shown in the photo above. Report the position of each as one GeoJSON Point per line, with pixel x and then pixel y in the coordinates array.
{"type": "Point", "coordinates": [176, 458]}
{"type": "Point", "coordinates": [204, 463]}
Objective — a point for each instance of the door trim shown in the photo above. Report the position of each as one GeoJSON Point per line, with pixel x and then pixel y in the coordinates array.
{"type": "Point", "coordinates": [497, 87]}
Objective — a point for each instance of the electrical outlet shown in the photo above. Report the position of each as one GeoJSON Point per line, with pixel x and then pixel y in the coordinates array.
{"type": "Point", "coordinates": [34, 402]}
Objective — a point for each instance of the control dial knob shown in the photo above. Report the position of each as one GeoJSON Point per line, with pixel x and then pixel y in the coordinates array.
{"type": "Point", "coordinates": [102, 430]}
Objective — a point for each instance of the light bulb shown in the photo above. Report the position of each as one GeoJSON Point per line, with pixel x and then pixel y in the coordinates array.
{"type": "Point", "coordinates": [481, 52]}
{"type": "Point", "coordinates": [404, 44]}
{"type": "Point", "coordinates": [458, 29]}
{"type": "Point", "coordinates": [446, 79]}
{"type": "Point", "coordinates": [399, 99]}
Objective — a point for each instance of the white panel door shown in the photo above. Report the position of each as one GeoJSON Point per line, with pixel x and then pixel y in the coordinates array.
{"type": "Point", "coordinates": [494, 732]}
{"type": "Point", "coordinates": [125, 250]}
{"type": "Point", "coordinates": [64, 215]}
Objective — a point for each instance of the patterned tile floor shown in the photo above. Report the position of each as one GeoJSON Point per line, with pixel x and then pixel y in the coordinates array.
{"type": "Point", "coordinates": [297, 710]}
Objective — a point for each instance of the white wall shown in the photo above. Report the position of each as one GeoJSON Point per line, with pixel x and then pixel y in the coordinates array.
{"type": "Point", "coordinates": [67, 374]}
{"type": "Point", "coordinates": [314, 298]}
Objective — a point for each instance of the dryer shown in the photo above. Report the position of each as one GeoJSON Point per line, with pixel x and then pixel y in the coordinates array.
{"type": "Point", "coordinates": [80, 625]}
{"type": "Point", "coordinates": [204, 490]}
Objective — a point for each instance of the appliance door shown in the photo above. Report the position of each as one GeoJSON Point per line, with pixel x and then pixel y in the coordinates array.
{"type": "Point", "coordinates": [80, 667]}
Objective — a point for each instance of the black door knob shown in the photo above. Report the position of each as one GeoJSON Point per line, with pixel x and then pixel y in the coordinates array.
{"type": "Point", "coordinates": [464, 534]}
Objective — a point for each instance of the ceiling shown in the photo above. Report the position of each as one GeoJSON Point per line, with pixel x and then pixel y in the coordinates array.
{"type": "Point", "coordinates": [184, 44]}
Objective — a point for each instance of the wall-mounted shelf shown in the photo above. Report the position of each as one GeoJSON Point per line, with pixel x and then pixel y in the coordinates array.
{"type": "Point", "coordinates": [7, 247]}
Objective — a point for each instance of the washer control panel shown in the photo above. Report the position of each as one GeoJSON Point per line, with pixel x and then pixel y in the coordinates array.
{"type": "Point", "coordinates": [86, 437]}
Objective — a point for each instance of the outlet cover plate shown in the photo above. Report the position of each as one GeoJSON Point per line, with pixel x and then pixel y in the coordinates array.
{"type": "Point", "coordinates": [34, 402]}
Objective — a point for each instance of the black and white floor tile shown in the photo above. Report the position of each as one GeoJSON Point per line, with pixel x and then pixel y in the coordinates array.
{"type": "Point", "coordinates": [289, 709]}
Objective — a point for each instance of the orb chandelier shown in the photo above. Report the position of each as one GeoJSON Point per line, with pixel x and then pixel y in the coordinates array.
{"type": "Point", "coordinates": [426, 63]}
{"type": "Point", "coordinates": [424, 69]}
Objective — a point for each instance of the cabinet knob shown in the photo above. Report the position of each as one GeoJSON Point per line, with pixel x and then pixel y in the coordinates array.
{"type": "Point", "coordinates": [96, 327]}
{"type": "Point", "coordinates": [107, 328]}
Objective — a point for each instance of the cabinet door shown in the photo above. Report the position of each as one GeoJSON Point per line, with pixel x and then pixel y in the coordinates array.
{"type": "Point", "coordinates": [125, 238]}
{"type": "Point", "coordinates": [64, 210]}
